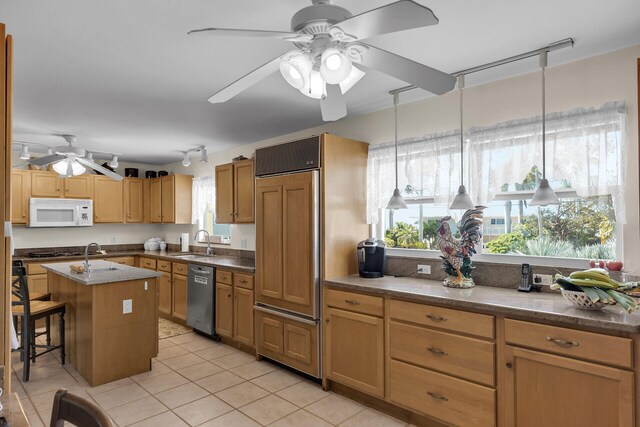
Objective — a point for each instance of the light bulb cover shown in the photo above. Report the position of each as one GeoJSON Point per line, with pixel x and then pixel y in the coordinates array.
{"type": "Point", "coordinates": [186, 161]}
{"type": "Point", "coordinates": [204, 158]}
{"type": "Point", "coordinates": [24, 153]}
{"type": "Point", "coordinates": [49, 151]}
{"type": "Point", "coordinates": [354, 77]}
{"type": "Point", "coordinates": [462, 200]}
{"type": "Point", "coordinates": [316, 87]}
{"type": "Point", "coordinates": [295, 68]}
{"type": "Point", "coordinates": [396, 201]}
{"type": "Point", "coordinates": [335, 66]}
{"type": "Point", "coordinates": [114, 162]}
{"type": "Point", "coordinates": [544, 195]}
{"type": "Point", "coordinates": [68, 167]}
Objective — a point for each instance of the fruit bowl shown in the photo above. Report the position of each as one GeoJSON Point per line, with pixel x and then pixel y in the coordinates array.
{"type": "Point", "coordinates": [582, 301]}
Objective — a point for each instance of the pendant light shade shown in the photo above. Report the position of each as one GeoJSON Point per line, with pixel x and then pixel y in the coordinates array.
{"type": "Point", "coordinates": [68, 167]}
{"type": "Point", "coordinates": [462, 200]}
{"type": "Point", "coordinates": [315, 88]}
{"type": "Point", "coordinates": [396, 201]}
{"type": "Point", "coordinates": [354, 77]}
{"type": "Point", "coordinates": [295, 68]}
{"type": "Point", "coordinates": [544, 194]}
{"type": "Point", "coordinates": [334, 66]}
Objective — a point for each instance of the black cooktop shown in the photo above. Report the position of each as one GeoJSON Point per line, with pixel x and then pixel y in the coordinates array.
{"type": "Point", "coordinates": [52, 254]}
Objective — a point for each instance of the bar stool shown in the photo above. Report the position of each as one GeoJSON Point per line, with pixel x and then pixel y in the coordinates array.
{"type": "Point", "coordinates": [77, 411]}
{"type": "Point", "coordinates": [29, 312]}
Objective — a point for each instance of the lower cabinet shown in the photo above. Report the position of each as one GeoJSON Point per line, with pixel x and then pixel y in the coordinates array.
{"type": "Point", "coordinates": [243, 316]}
{"type": "Point", "coordinates": [234, 306]}
{"type": "Point", "coordinates": [165, 293]}
{"type": "Point", "coordinates": [224, 310]}
{"type": "Point", "coordinates": [179, 300]}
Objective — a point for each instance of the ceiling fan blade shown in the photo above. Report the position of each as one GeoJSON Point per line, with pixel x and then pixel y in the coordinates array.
{"type": "Point", "coordinates": [45, 160]}
{"type": "Point", "coordinates": [333, 106]}
{"type": "Point", "coordinates": [414, 73]}
{"type": "Point", "coordinates": [97, 167]}
{"type": "Point", "coordinates": [245, 82]}
{"type": "Point", "coordinates": [231, 32]}
{"type": "Point", "coordinates": [399, 16]}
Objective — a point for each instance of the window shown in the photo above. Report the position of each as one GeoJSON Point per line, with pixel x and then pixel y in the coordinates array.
{"type": "Point", "coordinates": [585, 166]}
{"type": "Point", "coordinates": [203, 209]}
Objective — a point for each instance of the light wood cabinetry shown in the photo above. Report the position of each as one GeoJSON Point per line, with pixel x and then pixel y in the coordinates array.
{"type": "Point", "coordinates": [168, 204]}
{"type": "Point", "coordinates": [235, 192]}
{"type": "Point", "coordinates": [155, 200]}
{"type": "Point", "coordinates": [134, 200]}
{"type": "Point", "coordinates": [149, 263]}
{"type": "Point", "coordinates": [20, 191]}
{"type": "Point", "coordinates": [38, 283]}
{"type": "Point", "coordinates": [175, 203]}
{"type": "Point", "coordinates": [108, 201]}
{"type": "Point", "coordinates": [234, 306]}
{"type": "Point", "coordinates": [179, 297]}
{"type": "Point", "coordinates": [165, 294]}
{"type": "Point", "coordinates": [125, 260]}
{"type": "Point", "coordinates": [46, 184]}
{"type": "Point", "coordinates": [79, 187]}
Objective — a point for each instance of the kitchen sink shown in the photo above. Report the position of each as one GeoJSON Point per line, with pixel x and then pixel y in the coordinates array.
{"type": "Point", "coordinates": [93, 270]}
{"type": "Point", "coordinates": [190, 256]}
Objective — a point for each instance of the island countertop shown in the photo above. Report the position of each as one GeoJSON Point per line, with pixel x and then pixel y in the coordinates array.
{"type": "Point", "coordinates": [102, 272]}
{"type": "Point", "coordinates": [534, 306]}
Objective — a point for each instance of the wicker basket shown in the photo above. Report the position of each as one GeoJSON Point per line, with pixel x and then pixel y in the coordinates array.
{"type": "Point", "coordinates": [582, 301]}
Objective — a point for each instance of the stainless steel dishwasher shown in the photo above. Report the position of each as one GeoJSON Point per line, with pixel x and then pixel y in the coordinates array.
{"type": "Point", "coordinates": [201, 300]}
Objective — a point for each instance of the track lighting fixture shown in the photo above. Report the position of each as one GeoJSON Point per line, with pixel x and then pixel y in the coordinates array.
{"type": "Point", "coordinates": [186, 161]}
{"type": "Point", "coordinates": [203, 156]}
{"type": "Point", "coordinates": [114, 162]}
{"type": "Point", "coordinates": [24, 153]}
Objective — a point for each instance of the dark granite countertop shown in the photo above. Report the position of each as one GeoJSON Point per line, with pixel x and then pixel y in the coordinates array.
{"type": "Point", "coordinates": [534, 306]}
{"type": "Point", "coordinates": [221, 261]}
{"type": "Point", "coordinates": [102, 272]}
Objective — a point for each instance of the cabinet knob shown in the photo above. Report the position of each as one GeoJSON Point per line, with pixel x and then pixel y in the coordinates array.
{"type": "Point", "coordinates": [509, 365]}
{"type": "Point", "coordinates": [352, 302]}
{"type": "Point", "coordinates": [437, 396]}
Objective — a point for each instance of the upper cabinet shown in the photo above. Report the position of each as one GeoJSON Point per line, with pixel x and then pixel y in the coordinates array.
{"type": "Point", "coordinates": [20, 190]}
{"type": "Point", "coordinates": [155, 200]}
{"type": "Point", "coordinates": [46, 184]}
{"type": "Point", "coordinates": [79, 187]}
{"type": "Point", "coordinates": [175, 199]}
{"type": "Point", "coordinates": [108, 200]}
{"type": "Point", "coordinates": [133, 200]}
{"type": "Point", "coordinates": [235, 193]}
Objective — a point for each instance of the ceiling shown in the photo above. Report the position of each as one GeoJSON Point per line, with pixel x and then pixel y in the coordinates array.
{"type": "Point", "coordinates": [124, 77]}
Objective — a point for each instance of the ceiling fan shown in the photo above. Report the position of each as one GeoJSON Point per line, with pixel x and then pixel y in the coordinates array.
{"type": "Point", "coordinates": [70, 161]}
{"type": "Point", "coordinates": [330, 55]}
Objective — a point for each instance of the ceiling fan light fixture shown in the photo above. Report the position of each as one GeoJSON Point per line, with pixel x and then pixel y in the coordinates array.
{"type": "Point", "coordinates": [354, 77]}
{"type": "Point", "coordinates": [295, 68]}
{"type": "Point", "coordinates": [114, 162]}
{"type": "Point", "coordinates": [335, 66]}
{"type": "Point", "coordinates": [186, 161]}
{"type": "Point", "coordinates": [68, 167]}
{"type": "Point", "coordinates": [24, 153]}
{"type": "Point", "coordinates": [316, 88]}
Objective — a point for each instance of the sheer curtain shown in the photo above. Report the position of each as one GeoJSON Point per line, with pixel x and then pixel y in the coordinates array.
{"type": "Point", "coordinates": [204, 191]}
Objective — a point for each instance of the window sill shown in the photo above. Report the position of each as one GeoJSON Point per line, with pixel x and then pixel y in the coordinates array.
{"type": "Point", "coordinates": [496, 258]}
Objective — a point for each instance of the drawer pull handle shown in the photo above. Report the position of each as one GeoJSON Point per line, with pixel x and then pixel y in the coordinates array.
{"type": "Point", "coordinates": [352, 301]}
{"type": "Point", "coordinates": [565, 343]}
{"type": "Point", "coordinates": [436, 318]}
{"type": "Point", "coordinates": [437, 396]}
{"type": "Point", "coordinates": [243, 281]}
{"type": "Point", "coordinates": [437, 351]}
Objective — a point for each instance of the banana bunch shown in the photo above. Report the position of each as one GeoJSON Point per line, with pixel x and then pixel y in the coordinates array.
{"type": "Point", "coordinates": [597, 285]}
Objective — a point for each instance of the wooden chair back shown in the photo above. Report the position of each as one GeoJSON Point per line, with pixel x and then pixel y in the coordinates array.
{"type": "Point", "coordinates": [77, 411]}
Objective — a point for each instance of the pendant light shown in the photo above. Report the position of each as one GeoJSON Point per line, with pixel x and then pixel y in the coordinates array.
{"type": "Point", "coordinates": [462, 199]}
{"type": "Point", "coordinates": [396, 201]}
{"type": "Point", "coordinates": [544, 195]}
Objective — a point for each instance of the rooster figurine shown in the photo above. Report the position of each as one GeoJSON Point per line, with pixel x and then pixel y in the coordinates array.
{"type": "Point", "coordinates": [456, 254]}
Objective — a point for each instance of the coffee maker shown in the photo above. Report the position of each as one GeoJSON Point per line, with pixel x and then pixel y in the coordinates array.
{"type": "Point", "coordinates": [371, 258]}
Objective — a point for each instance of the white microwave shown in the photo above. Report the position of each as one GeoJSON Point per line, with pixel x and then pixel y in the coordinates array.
{"type": "Point", "coordinates": [60, 212]}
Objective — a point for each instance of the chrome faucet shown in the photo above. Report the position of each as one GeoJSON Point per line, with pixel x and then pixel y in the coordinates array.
{"type": "Point", "coordinates": [209, 250]}
{"type": "Point", "coordinates": [87, 266]}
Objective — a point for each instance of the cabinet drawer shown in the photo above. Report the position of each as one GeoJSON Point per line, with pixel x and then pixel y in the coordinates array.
{"type": "Point", "coordinates": [125, 260]}
{"type": "Point", "coordinates": [180, 268]}
{"type": "Point", "coordinates": [164, 266]}
{"type": "Point", "coordinates": [148, 263]}
{"type": "Point", "coordinates": [353, 301]}
{"type": "Point", "coordinates": [465, 322]}
{"type": "Point", "coordinates": [35, 269]}
{"type": "Point", "coordinates": [585, 345]}
{"type": "Point", "coordinates": [464, 357]}
{"type": "Point", "coordinates": [243, 280]}
{"type": "Point", "coordinates": [440, 396]}
{"type": "Point", "coordinates": [225, 277]}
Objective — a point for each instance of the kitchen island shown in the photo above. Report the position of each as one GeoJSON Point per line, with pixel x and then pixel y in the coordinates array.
{"type": "Point", "coordinates": [111, 322]}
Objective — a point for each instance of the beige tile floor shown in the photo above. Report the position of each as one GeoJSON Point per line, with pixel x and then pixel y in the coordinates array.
{"type": "Point", "coordinates": [198, 382]}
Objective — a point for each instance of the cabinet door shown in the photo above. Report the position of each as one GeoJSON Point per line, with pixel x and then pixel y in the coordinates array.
{"type": "Point", "coordinates": [244, 192]}
{"type": "Point", "coordinates": [243, 316]}
{"type": "Point", "coordinates": [164, 293]}
{"type": "Point", "coordinates": [20, 191]}
{"type": "Point", "coordinates": [168, 199]}
{"type": "Point", "coordinates": [547, 390]}
{"type": "Point", "coordinates": [108, 203]}
{"type": "Point", "coordinates": [224, 310]}
{"type": "Point", "coordinates": [270, 334]}
{"type": "Point", "coordinates": [133, 199]}
{"type": "Point", "coordinates": [38, 283]}
{"type": "Point", "coordinates": [354, 350]}
{"type": "Point", "coordinates": [46, 184]}
{"type": "Point", "coordinates": [155, 200]}
{"type": "Point", "coordinates": [269, 240]}
{"type": "Point", "coordinates": [179, 303]}
{"type": "Point", "coordinates": [79, 187]}
{"type": "Point", "coordinates": [224, 194]}
{"type": "Point", "coordinates": [146, 201]}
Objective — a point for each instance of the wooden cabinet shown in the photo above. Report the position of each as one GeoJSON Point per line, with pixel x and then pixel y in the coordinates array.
{"type": "Point", "coordinates": [234, 306]}
{"type": "Point", "coordinates": [134, 200]}
{"type": "Point", "coordinates": [146, 201]}
{"type": "Point", "coordinates": [165, 294]}
{"type": "Point", "coordinates": [46, 184]}
{"type": "Point", "coordinates": [548, 390]}
{"type": "Point", "coordinates": [155, 200]}
{"type": "Point", "coordinates": [168, 204]}
{"type": "Point", "coordinates": [175, 199]}
{"type": "Point", "coordinates": [79, 187]}
{"type": "Point", "coordinates": [38, 283]}
{"type": "Point", "coordinates": [179, 301]}
{"type": "Point", "coordinates": [235, 192]}
{"type": "Point", "coordinates": [108, 206]}
{"type": "Point", "coordinates": [124, 260]}
{"type": "Point", "coordinates": [149, 263]}
{"type": "Point", "coordinates": [20, 191]}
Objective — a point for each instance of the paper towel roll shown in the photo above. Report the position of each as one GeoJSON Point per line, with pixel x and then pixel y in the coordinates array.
{"type": "Point", "coordinates": [184, 239]}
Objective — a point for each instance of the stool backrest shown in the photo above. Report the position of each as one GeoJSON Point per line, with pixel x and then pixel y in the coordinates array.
{"type": "Point", "coordinates": [77, 411]}
{"type": "Point", "coordinates": [19, 286]}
